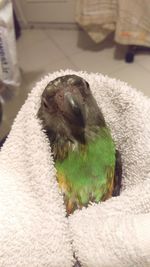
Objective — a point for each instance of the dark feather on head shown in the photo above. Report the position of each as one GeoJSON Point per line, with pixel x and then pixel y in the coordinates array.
{"type": "Point", "coordinates": [69, 110]}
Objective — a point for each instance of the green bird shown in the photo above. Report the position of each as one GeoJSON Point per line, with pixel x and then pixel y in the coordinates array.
{"type": "Point", "coordinates": [87, 163]}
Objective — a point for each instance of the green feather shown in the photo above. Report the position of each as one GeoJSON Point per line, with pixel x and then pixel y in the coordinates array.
{"type": "Point", "coordinates": [87, 168]}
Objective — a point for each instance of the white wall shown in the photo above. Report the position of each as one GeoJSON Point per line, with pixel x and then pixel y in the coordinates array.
{"type": "Point", "coordinates": [32, 12]}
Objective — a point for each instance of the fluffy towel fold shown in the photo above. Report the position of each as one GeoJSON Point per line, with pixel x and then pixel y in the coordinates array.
{"type": "Point", "coordinates": [34, 230]}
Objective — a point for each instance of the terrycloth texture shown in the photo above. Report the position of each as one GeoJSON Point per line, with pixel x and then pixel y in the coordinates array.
{"type": "Point", "coordinates": [33, 228]}
{"type": "Point", "coordinates": [130, 20]}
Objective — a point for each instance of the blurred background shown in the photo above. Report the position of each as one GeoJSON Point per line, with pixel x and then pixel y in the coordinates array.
{"type": "Point", "coordinates": [40, 36]}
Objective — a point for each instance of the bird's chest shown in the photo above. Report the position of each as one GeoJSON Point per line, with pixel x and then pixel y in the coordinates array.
{"type": "Point", "coordinates": [86, 174]}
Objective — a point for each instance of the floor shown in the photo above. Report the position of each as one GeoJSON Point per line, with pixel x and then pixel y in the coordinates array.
{"type": "Point", "coordinates": [42, 51]}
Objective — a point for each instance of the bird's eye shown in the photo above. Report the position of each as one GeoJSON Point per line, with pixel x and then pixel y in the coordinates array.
{"type": "Point", "coordinates": [78, 82]}
{"type": "Point", "coordinates": [82, 83]}
{"type": "Point", "coordinates": [45, 103]}
{"type": "Point", "coordinates": [87, 84]}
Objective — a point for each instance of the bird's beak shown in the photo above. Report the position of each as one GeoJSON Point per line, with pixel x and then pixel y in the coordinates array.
{"type": "Point", "coordinates": [75, 108]}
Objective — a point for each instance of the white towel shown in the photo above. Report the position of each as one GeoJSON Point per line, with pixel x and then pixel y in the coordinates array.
{"type": "Point", "coordinates": [34, 230]}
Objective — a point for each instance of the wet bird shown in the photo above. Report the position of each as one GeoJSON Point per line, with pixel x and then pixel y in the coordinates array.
{"type": "Point", "coordinates": [87, 163]}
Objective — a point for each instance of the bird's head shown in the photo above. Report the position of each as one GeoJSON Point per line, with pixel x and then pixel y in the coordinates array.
{"type": "Point", "coordinates": [68, 108]}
